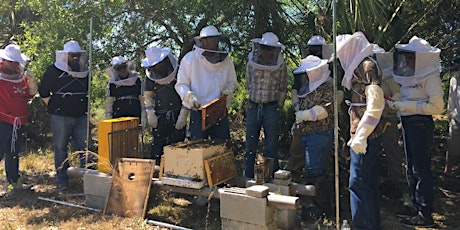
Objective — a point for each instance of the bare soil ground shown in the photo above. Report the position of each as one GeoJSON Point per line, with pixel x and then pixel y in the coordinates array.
{"type": "Point", "coordinates": [23, 209]}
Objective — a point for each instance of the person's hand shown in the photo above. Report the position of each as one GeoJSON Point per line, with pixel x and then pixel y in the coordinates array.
{"type": "Point", "coordinates": [315, 113]}
{"type": "Point", "coordinates": [31, 83]}
{"type": "Point", "coordinates": [191, 98]}
{"type": "Point", "coordinates": [359, 145]}
{"type": "Point", "coordinates": [226, 91]}
{"type": "Point", "coordinates": [152, 118]}
{"type": "Point", "coordinates": [182, 119]}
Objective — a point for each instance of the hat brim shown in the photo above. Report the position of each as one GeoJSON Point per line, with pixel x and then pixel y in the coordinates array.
{"type": "Point", "coordinates": [306, 68]}
{"type": "Point", "coordinates": [22, 57]}
{"type": "Point", "coordinates": [259, 40]}
{"type": "Point", "coordinates": [146, 62]}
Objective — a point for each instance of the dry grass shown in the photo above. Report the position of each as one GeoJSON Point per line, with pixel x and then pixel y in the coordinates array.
{"type": "Point", "coordinates": [23, 210]}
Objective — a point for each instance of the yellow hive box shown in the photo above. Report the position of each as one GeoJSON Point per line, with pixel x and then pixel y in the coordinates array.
{"type": "Point", "coordinates": [185, 160]}
{"type": "Point", "coordinates": [118, 138]}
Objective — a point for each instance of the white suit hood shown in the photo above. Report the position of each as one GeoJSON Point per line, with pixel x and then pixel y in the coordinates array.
{"type": "Point", "coordinates": [351, 50]}
{"type": "Point", "coordinates": [426, 61]}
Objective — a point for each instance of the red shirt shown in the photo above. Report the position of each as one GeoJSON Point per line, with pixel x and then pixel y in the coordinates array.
{"type": "Point", "coordinates": [13, 101]}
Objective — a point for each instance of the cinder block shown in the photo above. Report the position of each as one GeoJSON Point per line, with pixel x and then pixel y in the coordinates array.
{"type": "Point", "coordinates": [278, 189]}
{"type": "Point", "coordinates": [237, 206]}
{"type": "Point", "coordinates": [285, 218]}
{"type": "Point", "coordinates": [283, 182]}
{"type": "Point", "coordinates": [96, 187]}
{"type": "Point", "coordinates": [283, 174]}
{"type": "Point", "coordinates": [257, 191]}
{"type": "Point", "coordinates": [228, 224]}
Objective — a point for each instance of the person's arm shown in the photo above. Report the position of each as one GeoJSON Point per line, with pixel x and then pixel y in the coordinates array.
{"type": "Point", "coordinates": [434, 105]}
{"type": "Point", "coordinates": [374, 107]}
{"type": "Point", "coordinates": [45, 87]}
{"type": "Point", "coordinates": [283, 86]}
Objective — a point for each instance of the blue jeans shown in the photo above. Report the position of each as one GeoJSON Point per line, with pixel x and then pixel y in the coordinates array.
{"type": "Point", "coordinates": [11, 155]}
{"type": "Point", "coordinates": [164, 134]}
{"type": "Point", "coordinates": [418, 131]}
{"type": "Point", "coordinates": [64, 129]}
{"type": "Point", "coordinates": [364, 186]}
{"type": "Point", "coordinates": [317, 147]}
{"type": "Point", "coordinates": [258, 116]}
{"type": "Point", "coordinates": [221, 130]}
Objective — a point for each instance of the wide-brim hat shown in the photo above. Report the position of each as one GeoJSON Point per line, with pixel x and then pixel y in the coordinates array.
{"type": "Point", "coordinates": [209, 31]}
{"type": "Point", "coordinates": [72, 47]}
{"type": "Point", "coordinates": [309, 63]}
{"type": "Point", "coordinates": [118, 60]}
{"type": "Point", "coordinates": [154, 55]}
{"type": "Point", "coordinates": [269, 39]}
{"type": "Point", "coordinates": [316, 40]}
{"type": "Point", "coordinates": [13, 53]}
{"type": "Point", "coordinates": [419, 45]}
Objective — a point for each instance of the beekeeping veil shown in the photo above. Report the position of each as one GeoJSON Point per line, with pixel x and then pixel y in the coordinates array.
{"type": "Point", "coordinates": [384, 60]}
{"type": "Point", "coordinates": [415, 61]}
{"type": "Point", "coordinates": [120, 65]}
{"type": "Point", "coordinates": [317, 46]}
{"type": "Point", "coordinates": [213, 45]}
{"type": "Point", "coordinates": [72, 59]}
{"type": "Point", "coordinates": [266, 52]}
{"type": "Point", "coordinates": [161, 66]}
{"type": "Point", "coordinates": [312, 72]}
{"type": "Point", "coordinates": [13, 53]}
{"type": "Point", "coordinates": [351, 50]}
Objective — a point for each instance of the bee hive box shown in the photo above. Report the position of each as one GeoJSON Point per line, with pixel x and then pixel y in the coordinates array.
{"type": "Point", "coordinates": [184, 162]}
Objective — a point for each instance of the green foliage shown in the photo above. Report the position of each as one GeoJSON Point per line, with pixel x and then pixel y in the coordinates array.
{"type": "Point", "coordinates": [122, 27]}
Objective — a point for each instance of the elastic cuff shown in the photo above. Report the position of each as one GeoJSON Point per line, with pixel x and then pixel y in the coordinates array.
{"type": "Point", "coordinates": [150, 107]}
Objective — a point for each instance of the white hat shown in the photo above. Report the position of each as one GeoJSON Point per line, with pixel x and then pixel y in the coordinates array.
{"type": "Point", "coordinates": [209, 31]}
{"type": "Point", "coordinates": [72, 46]}
{"type": "Point", "coordinates": [154, 55]}
{"type": "Point", "coordinates": [316, 40]}
{"type": "Point", "coordinates": [13, 53]}
{"type": "Point", "coordinates": [311, 62]}
{"type": "Point", "coordinates": [419, 45]}
{"type": "Point", "coordinates": [269, 39]}
{"type": "Point", "coordinates": [117, 60]}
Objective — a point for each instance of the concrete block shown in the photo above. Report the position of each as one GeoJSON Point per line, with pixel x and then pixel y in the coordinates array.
{"type": "Point", "coordinates": [283, 174]}
{"type": "Point", "coordinates": [240, 207]}
{"type": "Point", "coordinates": [283, 182]}
{"type": "Point", "coordinates": [278, 189]}
{"type": "Point", "coordinates": [257, 191]}
{"type": "Point", "coordinates": [229, 224]}
{"type": "Point", "coordinates": [285, 218]}
{"type": "Point", "coordinates": [96, 187]}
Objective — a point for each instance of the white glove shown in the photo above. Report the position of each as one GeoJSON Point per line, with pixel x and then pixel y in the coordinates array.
{"type": "Point", "coordinates": [295, 100]}
{"type": "Point", "coordinates": [31, 83]}
{"type": "Point", "coordinates": [182, 119]}
{"type": "Point", "coordinates": [191, 98]}
{"type": "Point", "coordinates": [313, 114]}
{"type": "Point", "coordinates": [229, 93]}
{"type": "Point", "coordinates": [339, 96]}
{"type": "Point", "coordinates": [109, 107]}
{"type": "Point", "coordinates": [404, 106]}
{"type": "Point", "coordinates": [152, 118]}
{"type": "Point", "coordinates": [226, 91]}
{"type": "Point", "coordinates": [143, 112]}
{"type": "Point", "coordinates": [359, 142]}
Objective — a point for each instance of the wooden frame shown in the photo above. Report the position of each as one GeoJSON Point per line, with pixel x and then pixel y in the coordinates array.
{"type": "Point", "coordinates": [213, 112]}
